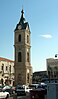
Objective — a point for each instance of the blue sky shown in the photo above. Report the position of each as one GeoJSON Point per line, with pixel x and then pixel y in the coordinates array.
{"type": "Point", "coordinates": [42, 16]}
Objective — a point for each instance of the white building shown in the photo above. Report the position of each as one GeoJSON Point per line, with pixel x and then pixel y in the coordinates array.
{"type": "Point", "coordinates": [52, 68]}
{"type": "Point", "coordinates": [6, 69]}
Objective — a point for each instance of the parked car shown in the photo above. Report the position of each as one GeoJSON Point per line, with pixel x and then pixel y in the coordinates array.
{"type": "Point", "coordinates": [33, 86]}
{"type": "Point", "coordinates": [8, 89]}
{"type": "Point", "coordinates": [13, 89]}
{"type": "Point", "coordinates": [4, 94]}
{"type": "Point", "coordinates": [20, 90]}
{"type": "Point", "coordinates": [44, 86]}
{"type": "Point", "coordinates": [1, 87]}
{"type": "Point", "coordinates": [38, 93]}
{"type": "Point", "coordinates": [27, 89]}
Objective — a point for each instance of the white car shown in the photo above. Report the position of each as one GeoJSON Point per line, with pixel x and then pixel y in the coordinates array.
{"type": "Point", "coordinates": [27, 89]}
{"type": "Point", "coordinates": [4, 95]}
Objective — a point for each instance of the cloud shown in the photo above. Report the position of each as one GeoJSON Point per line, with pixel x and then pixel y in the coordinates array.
{"type": "Point", "coordinates": [47, 36]}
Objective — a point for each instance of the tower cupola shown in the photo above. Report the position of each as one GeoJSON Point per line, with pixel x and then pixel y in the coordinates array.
{"type": "Point", "coordinates": [22, 23]}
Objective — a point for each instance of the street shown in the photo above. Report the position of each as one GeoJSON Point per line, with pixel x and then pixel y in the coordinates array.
{"type": "Point", "coordinates": [20, 97]}
{"type": "Point", "coordinates": [23, 97]}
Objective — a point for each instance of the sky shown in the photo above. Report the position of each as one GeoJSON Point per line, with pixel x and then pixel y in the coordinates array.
{"type": "Point", "coordinates": [42, 16]}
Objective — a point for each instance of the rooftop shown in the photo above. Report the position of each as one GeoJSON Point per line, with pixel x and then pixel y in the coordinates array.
{"type": "Point", "coordinates": [5, 59]}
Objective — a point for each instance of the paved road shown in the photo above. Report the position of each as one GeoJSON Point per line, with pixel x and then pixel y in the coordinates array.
{"type": "Point", "coordinates": [23, 97]}
{"type": "Point", "coordinates": [20, 97]}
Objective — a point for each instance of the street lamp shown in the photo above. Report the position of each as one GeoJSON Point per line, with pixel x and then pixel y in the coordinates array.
{"type": "Point", "coordinates": [56, 68]}
{"type": "Point", "coordinates": [56, 55]}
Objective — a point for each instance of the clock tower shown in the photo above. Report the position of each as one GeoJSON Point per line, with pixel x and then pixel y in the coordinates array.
{"type": "Point", "coordinates": [23, 68]}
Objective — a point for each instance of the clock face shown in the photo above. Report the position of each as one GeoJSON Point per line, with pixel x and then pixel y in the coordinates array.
{"type": "Point", "coordinates": [19, 27]}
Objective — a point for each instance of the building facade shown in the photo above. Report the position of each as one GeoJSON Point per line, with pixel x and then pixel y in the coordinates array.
{"type": "Point", "coordinates": [52, 68]}
{"type": "Point", "coordinates": [6, 70]}
{"type": "Point", "coordinates": [39, 76]}
{"type": "Point", "coordinates": [23, 68]}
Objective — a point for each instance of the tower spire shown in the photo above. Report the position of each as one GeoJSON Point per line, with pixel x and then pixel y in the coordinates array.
{"type": "Point", "coordinates": [22, 19]}
{"type": "Point", "coordinates": [22, 13]}
{"type": "Point", "coordinates": [22, 23]}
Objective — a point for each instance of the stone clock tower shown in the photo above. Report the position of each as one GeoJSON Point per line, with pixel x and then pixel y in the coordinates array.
{"type": "Point", "coordinates": [23, 69]}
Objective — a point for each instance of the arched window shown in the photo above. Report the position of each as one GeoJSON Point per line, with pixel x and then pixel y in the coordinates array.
{"type": "Point", "coordinates": [27, 39]}
{"type": "Point", "coordinates": [10, 68]}
{"type": "Point", "coordinates": [27, 77]}
{"type": "Point", "coordinates": [6, 68]}
{"type": "Point", "coordinates": [2, 67]}
{"type": "Point", "coordinates": [19, 38]}
{"type": "Point", "coordinates": [27, 56]}
{"type": "Point", "coordinates": [19, 57]}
